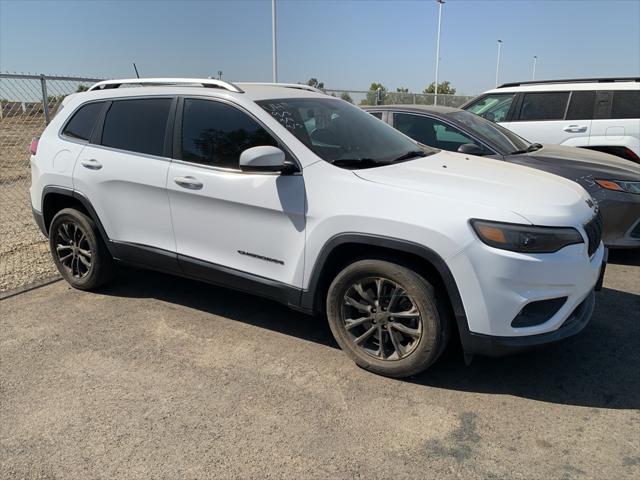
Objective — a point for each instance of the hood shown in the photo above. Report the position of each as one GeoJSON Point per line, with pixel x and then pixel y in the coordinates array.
{"type": "Point", "coordinates": [576, 163]}
{"type": "Point", "coordinates": [539, 197]}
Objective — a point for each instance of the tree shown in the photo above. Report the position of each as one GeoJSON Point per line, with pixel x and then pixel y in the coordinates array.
{"type": "Point", "coordinates": [402, 90]}
{"type": "Point", "coordinates": [82, 88]}
{"type": "Point", "coordinates": [444, 88]}
{"type": "Point", "coordinates": [313, 82]}
{"type": "Point", "coordinates": [376, 95]}
{"type": "Point", "coordinates": [346, 97]}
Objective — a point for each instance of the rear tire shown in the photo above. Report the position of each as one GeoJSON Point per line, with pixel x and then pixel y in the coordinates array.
{"type": "Point", "coordinates": [78, 251]}
{"type": "Point", "coordinates": [361, 303]}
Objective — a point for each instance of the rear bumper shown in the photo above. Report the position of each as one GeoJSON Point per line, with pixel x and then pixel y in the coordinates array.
{"type": "Point", "coordinates": [475, 343]}
{"type": "Point", "coordinates": [37, 216]}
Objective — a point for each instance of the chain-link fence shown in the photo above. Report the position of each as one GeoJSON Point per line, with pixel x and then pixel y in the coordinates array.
{"type": "Point", "coordinates": [27, 103]}
{"type": "Point", "coordinates": [384, 97]}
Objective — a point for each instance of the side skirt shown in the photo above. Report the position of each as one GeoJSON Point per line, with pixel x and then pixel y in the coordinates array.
{"type": "Point", "coordinates": [192, 268]}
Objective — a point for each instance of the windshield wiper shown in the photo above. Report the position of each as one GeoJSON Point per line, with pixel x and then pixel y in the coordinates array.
{"type": "Point", "coordinates": [531, 148]}
{"type": "Point", "coordinates": [411, 154]}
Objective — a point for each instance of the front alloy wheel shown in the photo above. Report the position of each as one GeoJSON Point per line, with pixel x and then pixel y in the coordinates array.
{"type": "Point", "coordinates": [386, 317]}
{"type": "Point", "coordinates": [381, 318]}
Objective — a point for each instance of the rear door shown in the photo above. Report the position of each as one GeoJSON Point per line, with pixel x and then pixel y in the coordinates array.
{"type": "Point", "coordinates": [617, 120]}
{"type": "Point", "coordinates": [123, 172]}
{"type": "Point", "coordinates": [562, 118]}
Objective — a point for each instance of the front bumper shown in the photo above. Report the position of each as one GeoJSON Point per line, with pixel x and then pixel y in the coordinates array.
{"type": "Point", "coordinates": [493, 346]}
{"type": "Point", "coordinates": [497, 287]}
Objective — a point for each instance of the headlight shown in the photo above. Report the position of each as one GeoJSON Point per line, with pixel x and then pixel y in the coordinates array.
{"type": "Point", "coordinates": [525, 238]}
{"type": "Point", "coordinates": [620, 185]}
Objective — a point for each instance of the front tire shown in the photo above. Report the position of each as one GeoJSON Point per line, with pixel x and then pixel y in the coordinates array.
{"type": "Point", "coordinates": [386, 317]}
{"type": "Point", "coordinates": [78, 251]}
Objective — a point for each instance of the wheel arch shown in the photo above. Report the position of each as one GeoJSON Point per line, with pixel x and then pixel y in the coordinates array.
{"type": "Point", "coordinates": [344, 249]}
{"type": "Point", "coordinates": [56, 198]}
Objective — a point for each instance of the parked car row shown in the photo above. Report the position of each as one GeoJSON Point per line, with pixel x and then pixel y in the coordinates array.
{"type": "Point", "coordinates": [288, 193]}
{"type": "Point", "coordinates": [612, 182]}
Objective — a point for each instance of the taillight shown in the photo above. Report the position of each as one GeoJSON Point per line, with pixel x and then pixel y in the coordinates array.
{"type": "Point", "coordinates": [33, 148]}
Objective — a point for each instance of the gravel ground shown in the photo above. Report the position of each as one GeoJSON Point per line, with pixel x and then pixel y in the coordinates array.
{"type": "Point", "coordinates": [155, 377]}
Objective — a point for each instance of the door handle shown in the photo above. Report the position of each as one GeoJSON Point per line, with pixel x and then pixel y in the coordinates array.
{"type": "Point", "coordinates": [188, 182]}
{"type": "Point", "coordinates": [91, 164]}
{"type": "Point", "coordinates": [575, 128]}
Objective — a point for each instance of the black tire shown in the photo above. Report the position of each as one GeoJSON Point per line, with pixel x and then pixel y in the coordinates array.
{"type": "Point", "coordinates": [358, 282]}
{"type": "Point", "coordinates": [78, 251]}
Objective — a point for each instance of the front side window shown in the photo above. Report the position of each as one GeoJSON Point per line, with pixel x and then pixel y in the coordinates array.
{"type": "Point", "coordinates": [377, 114]}
{"type": "Point", "coordinates": [137, 125]}
{"type": "Point", "coordinates": [430, 131]}
{"type": "Point", "coordinates": [81, 124]}
{"type": "Point", "coordinates": [215, 133]}
{"type": "Point", "coordinates": [543, 106]}
{"type": "Point", "coordinates": [626, 104]}
{"type": "Point", "coordinates": [494, 107]}
{"type": "Point", "coordinates": [341, 133]}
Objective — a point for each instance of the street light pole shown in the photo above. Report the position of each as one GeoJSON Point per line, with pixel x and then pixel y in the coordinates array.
{"type": "Point", "coordinates": [435, 89]}
{"type": "Point", "coordinates": [533, 75]}
{"type": "Point", "coordinates": [498, 62]}
{"type": "Point", "coordinates": [274, 48]}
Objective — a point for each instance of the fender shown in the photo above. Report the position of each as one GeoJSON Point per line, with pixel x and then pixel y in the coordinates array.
{"type": "Point", "coordinates": [308, 299]}
{"type": "Point", "coordinates": [86, 204]}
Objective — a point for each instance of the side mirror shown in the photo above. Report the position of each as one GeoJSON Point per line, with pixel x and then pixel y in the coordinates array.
{"type": "Point", "coordinates": [265, 159]}
{"type": "Point", "coordinates": [472, 149]}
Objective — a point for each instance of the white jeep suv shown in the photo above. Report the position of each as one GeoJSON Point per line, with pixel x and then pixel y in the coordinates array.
{"type": "Point", "coordinates": [282, 191]}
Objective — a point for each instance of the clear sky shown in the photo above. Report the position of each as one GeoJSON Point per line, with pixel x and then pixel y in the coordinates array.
{"type": "Point", "coordinates": [346, 44]}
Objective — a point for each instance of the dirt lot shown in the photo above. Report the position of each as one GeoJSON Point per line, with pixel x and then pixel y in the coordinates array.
{"type": "Point", "coordinates": [162, 378]}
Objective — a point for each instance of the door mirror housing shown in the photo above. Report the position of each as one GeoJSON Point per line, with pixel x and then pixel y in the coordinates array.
{"type": "Point", "coordinates": [472, 149]}
{"type": "Point", "coordinates": [265, 159]}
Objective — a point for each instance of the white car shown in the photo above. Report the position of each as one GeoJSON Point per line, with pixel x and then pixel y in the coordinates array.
{"type": "Point", "coordinates": [402, 246]}
{"type": "Point", "coordinates": [600, 114]}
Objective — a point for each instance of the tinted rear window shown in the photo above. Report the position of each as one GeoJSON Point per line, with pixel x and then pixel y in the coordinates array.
{"type": "Point", "coordinates": [626, 104]}
{"type": "Point", "coordinates": [544, 106]}
{"type": "Point", "coordinates": [81, 124]}
{"type": "Point", "coordinates": [581, 105]}
{"type": "Point", "coordinates": [137, 125]}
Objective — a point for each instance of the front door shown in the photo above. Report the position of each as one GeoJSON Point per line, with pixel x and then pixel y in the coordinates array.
{"type": "Point", "coordinates": [243, 224]}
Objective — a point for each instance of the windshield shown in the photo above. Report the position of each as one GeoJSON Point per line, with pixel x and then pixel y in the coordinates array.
{"type": "Point", "coordinates": [505, 140]}
{"type": "Point", "coordinates": [341, 133]}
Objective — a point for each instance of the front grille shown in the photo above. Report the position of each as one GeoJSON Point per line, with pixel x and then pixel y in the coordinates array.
{"type": "Point", "coordinates": [594, 232]}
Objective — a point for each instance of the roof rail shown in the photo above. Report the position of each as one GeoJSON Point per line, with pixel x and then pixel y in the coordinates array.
{"type": "Point", "coordinates": [203, 82]}
{"type": "Point", "coordinates": [299, 86]}
{"type": "Point", "coordinates": [572, 80]}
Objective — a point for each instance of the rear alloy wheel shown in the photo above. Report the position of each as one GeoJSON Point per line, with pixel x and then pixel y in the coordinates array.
{"type": "Point", "coordinates": [73, 249]}
{"type": "Point", "coordinates": [78, 251]}
{"type": "Point", "coordinates": [386, 318]}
